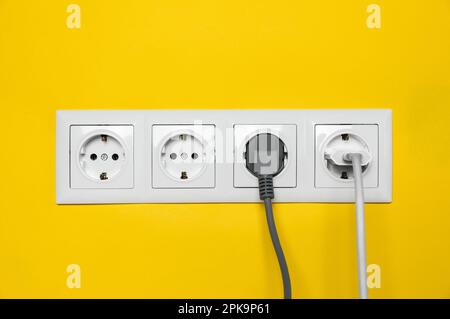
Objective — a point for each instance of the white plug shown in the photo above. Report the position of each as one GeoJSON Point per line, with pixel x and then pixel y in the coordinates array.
{"type": "Point", "coordinates": [341, 156]}
{"type": "Point", "coordinates": [337, 150]}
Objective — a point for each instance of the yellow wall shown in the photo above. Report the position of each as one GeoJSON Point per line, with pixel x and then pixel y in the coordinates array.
{"type": "Point", "coordinates": [223, 54]}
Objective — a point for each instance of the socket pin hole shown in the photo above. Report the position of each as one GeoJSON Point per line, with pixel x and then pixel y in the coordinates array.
{"type": "Point", "coordinates": [194, 156]}
{"type": "Point", "coordinates": [345, 137]}
{"type": "Point", "coordinates": [93, 157]}
{"type": "Point", "coordinates": [184, 156]}
{"type": "Point", "coordinates": [115, 157]}
{"type": "Point", "coordinates": [173, 156]}
{"type": "Point", "coordinates": [344, 175]}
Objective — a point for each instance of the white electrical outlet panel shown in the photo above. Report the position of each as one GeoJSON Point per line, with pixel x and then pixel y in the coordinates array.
{"type": "Point", "coordinates": [181, 156]}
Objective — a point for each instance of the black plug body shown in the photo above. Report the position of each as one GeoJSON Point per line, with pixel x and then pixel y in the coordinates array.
{"type": "Point", "coordinates": [265, 156]}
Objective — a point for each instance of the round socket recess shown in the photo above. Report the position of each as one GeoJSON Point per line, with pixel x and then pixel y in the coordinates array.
{"type": "Point", "coordinates": [102, 157]}
{"type": "Point", "coordinates": [339, 144]}
{"type": "Point", "coordinates": [183, 157]}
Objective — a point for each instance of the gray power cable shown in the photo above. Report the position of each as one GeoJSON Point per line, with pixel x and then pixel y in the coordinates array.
{"type": "Point", "coordinates": [278, 249]}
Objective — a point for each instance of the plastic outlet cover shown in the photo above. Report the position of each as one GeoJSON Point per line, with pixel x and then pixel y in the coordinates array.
{"type": "Point", "coordinates": [101, 156]}
{"type": "Point", "coordinates": [243, 133]}
{"type": "Point", "coordinates": [332, 139]}
{"type": "Point", "coordinates": [183, 156]}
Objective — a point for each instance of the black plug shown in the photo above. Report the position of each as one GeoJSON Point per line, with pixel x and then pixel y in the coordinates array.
{"type": "Point", "coordinates": [265, 155]}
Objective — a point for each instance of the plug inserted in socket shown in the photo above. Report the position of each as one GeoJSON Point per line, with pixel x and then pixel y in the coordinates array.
{"type": "Point", "coordinates": [332, 169]}
{"type": "Point", "coordinates": [101, 156]}
{"type": "Point", "coordinates": [183, 156]}
{"type": "Point", "coordinates": [243, 133]}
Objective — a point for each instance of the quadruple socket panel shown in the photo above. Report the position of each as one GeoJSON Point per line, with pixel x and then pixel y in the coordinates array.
{"type": "Point", "coordinates": [182, 156]}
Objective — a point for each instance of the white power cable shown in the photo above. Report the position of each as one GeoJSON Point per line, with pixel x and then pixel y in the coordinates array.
{"type": "Point", "coordinates": [360, 224]}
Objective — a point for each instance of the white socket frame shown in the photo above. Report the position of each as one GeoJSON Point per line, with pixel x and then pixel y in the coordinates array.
{"type": "Point", "coordinates": [243, 133]}
{"type": "Point", "coordinates": [367, 132]}
{"type": "Point", "coordinates": [224, 122]}
{"type": "Point", "coordinates": [161, 134]}
{"type": "Point", "coordinates": [79, 134]}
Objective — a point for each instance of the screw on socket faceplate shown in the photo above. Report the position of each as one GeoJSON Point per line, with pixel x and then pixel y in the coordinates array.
{"type": "Point", "coordinates": [103, 176]}
{"type": "Point", "coordinates": [345, 137]}
{"type": "Point", "coordinates": [344, 175]}
{"type": "Point", "coordinates": [104, 138]}
{"type": "Point", "coordinates": [184, 175]}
